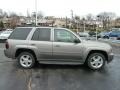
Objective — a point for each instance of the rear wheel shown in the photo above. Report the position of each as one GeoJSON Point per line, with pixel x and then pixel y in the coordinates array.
{"type": "Point", "coordinates": [96, 61]}
{"type": "Point", "coordinates": [26, 60]}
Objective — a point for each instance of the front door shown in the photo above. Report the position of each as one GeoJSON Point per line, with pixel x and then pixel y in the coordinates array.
{"type": "Point", "coordinates": [64, 47]}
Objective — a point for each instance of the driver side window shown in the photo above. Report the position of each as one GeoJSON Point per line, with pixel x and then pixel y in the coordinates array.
{"type": "Point", "coordinates": [61, 35]}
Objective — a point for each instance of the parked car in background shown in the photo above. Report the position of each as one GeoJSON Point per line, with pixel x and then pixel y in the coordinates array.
{"type": "Point", "coordinates": [5, 34]}
{"type": "Point", "coordinates": [1, 32]}
{"type": "Point", "coordinates": [9, 29]}
{"type": "Point", "coordinates": [84, 35]}
{"type": "Point", "coordinates": [2, 29]}
{"type": "Point", "coordinates": [104, 35]}
{"type": "Point", "coordinates": [50, 45]}
{"type": "Point", "coordinates": [115, 34]}
{"type": "Point", "coordinates": [118, 38]}
{"type": "Point", "coordinates": [92, 34]}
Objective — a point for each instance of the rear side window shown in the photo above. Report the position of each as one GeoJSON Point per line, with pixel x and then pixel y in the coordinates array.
{"type": "Point", "coordinates": [20, 33]}
{"type": "Point", "coordinates": [42, 34]}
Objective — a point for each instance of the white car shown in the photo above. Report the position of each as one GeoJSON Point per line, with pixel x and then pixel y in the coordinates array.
{"type": "Point", "coordinates": [5, 34]}
{"type": "Point", "coordinates": [9, 29]}
{"type": "Point", "coordinates": [83, 35]}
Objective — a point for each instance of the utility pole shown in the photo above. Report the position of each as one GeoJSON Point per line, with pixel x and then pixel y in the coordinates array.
{"type": "Point", "coordinates": [84, 25]}
{"type": "Point", "coordinates": [28, 14]}
{"type": "Point", "coordinates": [96, 29]}
{"type": "Point", "coordinates": [66, 21]}
{"type": "Point", "coordinates": [36, 12]}
{"type": "Point", "coordinates": [97, 25]}
{"type": "Point", "coordinates": [72, 18]}
{"type": "Point", "coordinates": [77, 26]}
{"type": "Point", "coordinates": [72, 14]}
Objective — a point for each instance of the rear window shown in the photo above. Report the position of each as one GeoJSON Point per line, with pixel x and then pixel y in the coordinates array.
{"type": "Point", "coordinates": [20, 33]}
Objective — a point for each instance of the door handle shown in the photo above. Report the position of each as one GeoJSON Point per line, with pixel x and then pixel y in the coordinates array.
{"type": "Point", "coordinates": [32, 44]}
{"type": "Point", "coordinates": [57, 45]}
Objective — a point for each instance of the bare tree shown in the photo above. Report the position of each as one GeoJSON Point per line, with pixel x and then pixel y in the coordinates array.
{"type": "Point", "coordinates": [106, 18]}
{"type": "Point", "coordinates": [40, 15]}
{"type": "Point", "coordinates": [5, 14]}
{"type": "Point", "coordinates": [1, 25]}
{"type": "Point", "coordinates": [14, 20]}
{"type": "Point", "coordinates": [77, 17]}
{"type": "Point", "coordinates": [1, 13]}
{"type": "Point", "coordinates": [33, 15]}
{"type": "Point", "coordinates": [89, 17]}
{"type": "Point", "coordinates": [12, 14]}
{"type": "Point", "coordinates": [77, 22]}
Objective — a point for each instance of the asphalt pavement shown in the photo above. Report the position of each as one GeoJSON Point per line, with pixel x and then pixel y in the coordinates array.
{"type": "Point", "coordinates": [59, 77]}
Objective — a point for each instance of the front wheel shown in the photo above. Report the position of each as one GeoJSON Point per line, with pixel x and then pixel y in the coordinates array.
{"type": "Point", "coordinates": [96, 61]}
{"type": "Point", "coordinates": [26, 60]}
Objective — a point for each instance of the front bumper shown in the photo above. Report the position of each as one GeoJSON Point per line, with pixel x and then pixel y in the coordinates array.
{"type": "Point", "coordinates": [110, 57]}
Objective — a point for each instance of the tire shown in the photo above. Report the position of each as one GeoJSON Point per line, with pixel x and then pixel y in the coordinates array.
{"type": "Point", "coordinates": [96, 61]}
{"type": "Point", "coordinates": [118, 38]}
{"type": "Point", "coordinates": [106, 37]}
{"type": "Point", "coordinates": [26, 60]}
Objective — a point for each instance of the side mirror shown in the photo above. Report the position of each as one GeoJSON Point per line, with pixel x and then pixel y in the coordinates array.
{"type": "Point", "coordinates": [76, 41]}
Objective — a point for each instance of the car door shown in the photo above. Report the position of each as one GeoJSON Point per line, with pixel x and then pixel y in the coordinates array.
{"type": "Point", "coordinates": [41, 41]}
{"type": "Point", "coordinates": [64, 47]}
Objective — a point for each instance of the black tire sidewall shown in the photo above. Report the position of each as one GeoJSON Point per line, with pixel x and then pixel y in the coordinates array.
{"type": "Point", "coordinates": [26, 53]}
{"type": "Point", "coordinates": [94, 54]}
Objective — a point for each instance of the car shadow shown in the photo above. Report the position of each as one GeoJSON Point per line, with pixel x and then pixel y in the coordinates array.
{"type": "Point", "coordinates": [75, 67]}
{"type": "Point", "coordinates": [83, 68]}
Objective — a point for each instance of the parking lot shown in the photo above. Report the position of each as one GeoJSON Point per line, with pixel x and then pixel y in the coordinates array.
{"type": "Point", "coordinates": [59, 77]}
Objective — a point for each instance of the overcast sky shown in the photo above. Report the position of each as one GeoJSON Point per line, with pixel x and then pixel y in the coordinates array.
{"type": "Point", "coordinates": [62, 7]}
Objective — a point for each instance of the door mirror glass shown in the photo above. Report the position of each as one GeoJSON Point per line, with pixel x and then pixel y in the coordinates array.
{"type": "Point", "coordinates": [76, 41]}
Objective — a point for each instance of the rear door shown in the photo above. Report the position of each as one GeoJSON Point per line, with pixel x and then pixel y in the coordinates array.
{"type": "Point", "coordinates": [41, 41]}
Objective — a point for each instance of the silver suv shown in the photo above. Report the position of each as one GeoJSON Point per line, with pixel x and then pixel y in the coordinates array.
{"type": "Point", "coordinates": [55, 46]}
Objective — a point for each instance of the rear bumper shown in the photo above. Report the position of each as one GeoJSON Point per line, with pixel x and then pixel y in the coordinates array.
{"type": "Point", "coordinates": [2, 40]}
{"type": "Point", "coordinates": [8, 54]}
{"type": "Point", "coordinates": [110, 57]}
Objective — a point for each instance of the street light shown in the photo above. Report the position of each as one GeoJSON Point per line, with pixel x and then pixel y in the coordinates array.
{"type": "Point", "coordinates": [36, 12]}
{"type": "Point", "coordinates": [97, 26]}
{"type": "Point", "coordinates": [96, 29]}
{"type": "Point", "coordinates": [84, 24]}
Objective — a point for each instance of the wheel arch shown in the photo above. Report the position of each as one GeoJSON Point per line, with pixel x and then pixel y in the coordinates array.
{"type": "Point", "coordinates": [20, 50]}
{"type": "Point", "coordinates": [97, 51]}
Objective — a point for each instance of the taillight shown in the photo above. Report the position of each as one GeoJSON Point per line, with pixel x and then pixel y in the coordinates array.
{"type": "Point", "coordinates": [6, 45]}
